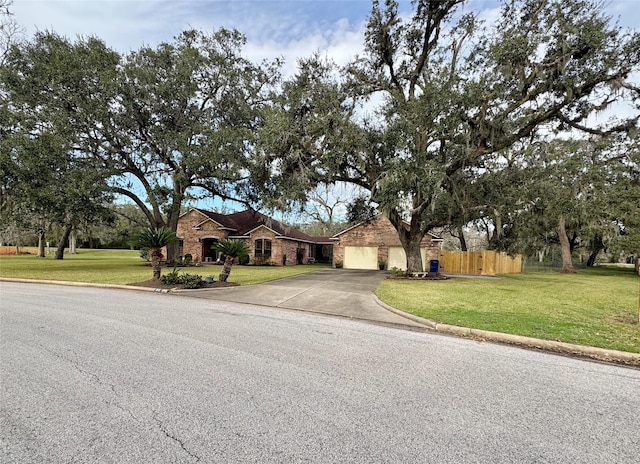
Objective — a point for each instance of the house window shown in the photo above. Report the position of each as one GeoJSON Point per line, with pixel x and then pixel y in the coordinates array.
{"type": "Point", "coordinates": [263, 248]}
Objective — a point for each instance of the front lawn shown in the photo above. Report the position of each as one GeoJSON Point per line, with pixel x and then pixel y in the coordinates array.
{"type": "Point", "coordinates": [126, 266]}
{"type": "Point", "coordinates": [596, 307]}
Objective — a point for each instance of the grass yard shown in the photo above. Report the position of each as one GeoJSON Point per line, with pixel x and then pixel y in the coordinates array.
{"type": "Point", "coordinates": [96, 266]}
{"type": "Point", "coordinates": [124, 267]}
{"type": "Point", "coordinates": [596, 307]}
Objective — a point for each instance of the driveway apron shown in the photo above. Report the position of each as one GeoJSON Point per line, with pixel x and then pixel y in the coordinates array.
{"type": "Point", "coordinates": [341, 292]}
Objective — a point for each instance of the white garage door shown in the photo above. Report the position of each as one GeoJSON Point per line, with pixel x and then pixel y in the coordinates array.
{"type": "Point", "coordinates": [360, 257]}
{"type": "Point", "coordinates": [398, 258]}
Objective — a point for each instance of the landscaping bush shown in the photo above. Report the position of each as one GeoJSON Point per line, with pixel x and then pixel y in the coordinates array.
{"type": "Point", "coordinates": [189, 281]}
{"type": "Point", "coordinates": [396, 272]}
{"type": "Point", "coordinates": [262, 261]}
{"type": "Point", "coordinates": [171, 278]}
{"type": "Point", "coordinates": [192, 281]}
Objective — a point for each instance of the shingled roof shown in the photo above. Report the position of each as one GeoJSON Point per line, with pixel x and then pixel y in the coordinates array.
{"type": "Point", "coordinates": [221, 219]}
{"type": "Point", "coordinates": [243, 222]}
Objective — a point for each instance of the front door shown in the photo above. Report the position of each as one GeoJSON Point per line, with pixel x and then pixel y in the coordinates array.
{"type": "Point", "coordinates": [208, 255]}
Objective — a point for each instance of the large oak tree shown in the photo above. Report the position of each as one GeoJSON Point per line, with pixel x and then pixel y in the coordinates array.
{"type": "Point", "coordinates": [164, 123]}
{"type": "Point", "coordinates": [455, 95]}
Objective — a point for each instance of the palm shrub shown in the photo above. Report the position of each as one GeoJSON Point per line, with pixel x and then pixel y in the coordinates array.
{"type": "Point", "coordinates": [155, 240]}
{"type": "Point", "coordinates": [171, 278]}
{"type": "Point", "coordinates": [231, 249]}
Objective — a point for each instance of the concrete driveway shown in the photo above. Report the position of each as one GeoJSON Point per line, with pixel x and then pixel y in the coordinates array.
{"type": "Point", "coordinates": [340, 292]}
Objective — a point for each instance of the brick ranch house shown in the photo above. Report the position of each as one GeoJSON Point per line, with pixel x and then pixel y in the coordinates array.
{"type": "Point", "coordinates": [365, 245]}
{"type": "Point", "coordinates": [269, 240]}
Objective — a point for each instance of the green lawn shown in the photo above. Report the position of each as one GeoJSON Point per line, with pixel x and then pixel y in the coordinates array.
{"type": "Point", "coordinates": [124, 267]}
{"type": "Point", "coordinates": [596, 307]}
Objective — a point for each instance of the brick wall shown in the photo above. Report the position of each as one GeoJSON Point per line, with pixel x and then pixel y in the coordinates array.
{"type": "Point", "coordinates": [193, 239]}
{"type": "Point", "coordinates": [265, 233]}
{"type": "Point", "coordinates": [381, 233]}
{"type": "Point", "coordinates": [289, 250]}
{"type": "Point", "coordinates": [280, 247]}
{"type": "Point", "coordinates": [190, 236]}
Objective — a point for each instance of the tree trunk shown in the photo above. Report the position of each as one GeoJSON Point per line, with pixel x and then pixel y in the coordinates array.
{"type": "Point", "coordinates": [41, 252]}
{"type": "Point", "coordinates": [596, 247]}
{"type": "Point", "coordinates": [156, 262]}
{"type": "Point", "coordinates": [567, 265]}
{"type": "Point", "coordinates": [497, 231]}
{"type": "Point", "coordinates": [414, 256]}
{"type": "Point", "coordinates": [410, 239]}
{"type": "Point", "coordinates": [226, 269]}
{"type": "Point", "coordinates": [63, 242]}
{"type": "Point", "coordinates": [541, 254]}
{"type": "Point", "coordinates": [463, 241]}
{"type": "Point", "coordinates": [173, 248]}
{"type": "Point", "coordinates": [73, 240]}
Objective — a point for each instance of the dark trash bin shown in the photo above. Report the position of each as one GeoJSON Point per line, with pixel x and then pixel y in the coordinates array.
{"type": "Point", "coordinates": [434, 266]}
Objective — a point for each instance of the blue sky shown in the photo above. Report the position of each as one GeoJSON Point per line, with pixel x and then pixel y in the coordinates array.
{"type": "Point", "coordinates": [290, 29]}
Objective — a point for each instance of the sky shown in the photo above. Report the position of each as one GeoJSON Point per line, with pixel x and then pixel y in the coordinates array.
{"type": "Point", "coordinates": [290, 29]}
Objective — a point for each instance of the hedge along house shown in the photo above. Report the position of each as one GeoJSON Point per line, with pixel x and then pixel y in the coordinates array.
{"type": "Point", "coordinates": [269, 241]}
{"type": "Point", "coordinates": [370, 244]}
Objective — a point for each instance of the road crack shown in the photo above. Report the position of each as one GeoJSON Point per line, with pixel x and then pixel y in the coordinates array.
{"type": "Point", "coordinates": [164, 430]}
{"type": "Point", "coordinates": [76, 365]}
{"type": "Point", "coordinates": [95, 379]}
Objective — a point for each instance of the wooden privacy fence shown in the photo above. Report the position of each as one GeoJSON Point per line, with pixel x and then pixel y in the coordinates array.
{"type": "Point", "coordinates": [487, 262]}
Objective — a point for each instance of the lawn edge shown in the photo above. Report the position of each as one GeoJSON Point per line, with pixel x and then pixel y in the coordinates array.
{"type": "Point", "coordinates": [591, 352]}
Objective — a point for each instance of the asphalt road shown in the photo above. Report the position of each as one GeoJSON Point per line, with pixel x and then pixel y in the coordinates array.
{"type": "Point", "coordinates": [95, 375]}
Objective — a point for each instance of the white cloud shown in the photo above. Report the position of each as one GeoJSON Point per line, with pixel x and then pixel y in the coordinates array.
{"type": "Point", "coordinates": [286, 29]}
{"type": "Point", "coordinates": [340, 41]}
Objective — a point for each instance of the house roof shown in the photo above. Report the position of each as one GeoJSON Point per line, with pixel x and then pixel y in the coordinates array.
{"type": "Point", "coordinates": [244, 222]}
{"type": "Point", "coordinates": [434, 238]}
{"type": "Point", "coordinates": [220, 219]}
{"type": "Point", "coordinates": [323, 240]}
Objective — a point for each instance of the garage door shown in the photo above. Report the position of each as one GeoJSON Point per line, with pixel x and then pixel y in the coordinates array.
{"type": "Point", "coordinates": [360, 257]}
{"type": "Point", "coordinates": [398, 258]}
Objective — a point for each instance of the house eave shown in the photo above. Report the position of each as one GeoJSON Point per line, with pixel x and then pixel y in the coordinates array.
{"type": "Point", "coordinates": [198, 226]}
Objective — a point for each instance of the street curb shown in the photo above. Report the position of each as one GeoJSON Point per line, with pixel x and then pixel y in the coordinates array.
{"type": "Point", "coordinates": [84, 284]}
{"type": "Point", "coordinates": [591, 352]}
